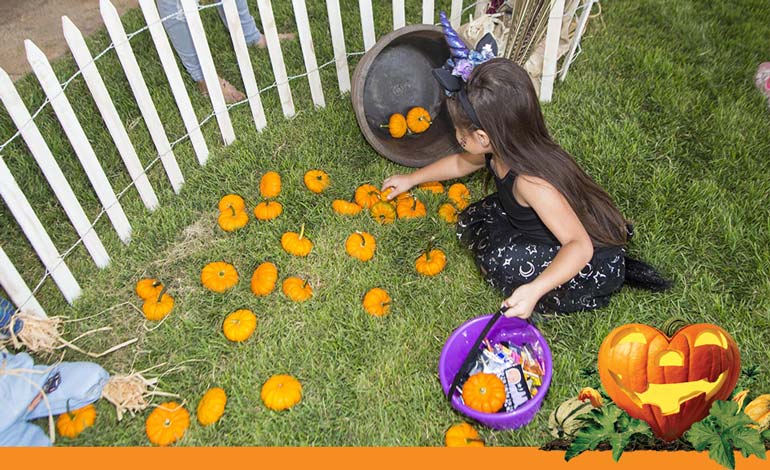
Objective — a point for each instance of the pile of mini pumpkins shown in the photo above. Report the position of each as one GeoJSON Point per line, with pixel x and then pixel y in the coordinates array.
{"type": "Point", "coordinates": [168, 422]}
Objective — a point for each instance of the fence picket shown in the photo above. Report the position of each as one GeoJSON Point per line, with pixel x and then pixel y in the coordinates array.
{"type": "Point", "coordinates": [552, 37]}
{"type": "Point", "coordinates": [109, 114]}
{"type": "Point", "coordinates": [338, 44]}
{"type": "Point", "coordinates": [210, 75]}
{"type": "Point", "coordinates": [276, 56]}
{"type": "Point", "coordinates": [308, 53]}
{"type": "Point", "coordinates": [367, 23]}
{"type": "Point", "coordinates": [244, 63]}
{"type": "Point", "coordinates": [141, 93]}
{"type": "Point", "coordinates": [428, 12]}
{"type": "Point", "coordinates": [399, 14]}
{"type": "Point", "coordinates": [32, 227]}
{"type": "Point", "coordinates": [162, 46]}
{"type": "Point", "coordinates": [581, 26]}
{"type": "Point", "coordinates": [42, 154]}
{"type": "Point", "coordinates": [13, 284]}
{"type": "Point", "coordinates": [71, 125]}
{"type": "Point", "coordinates": [456, 13]}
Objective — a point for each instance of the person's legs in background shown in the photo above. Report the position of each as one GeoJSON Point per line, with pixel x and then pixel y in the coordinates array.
{"type": "Point", "coordinates": [249, 25]}
{"type": "Point", "coordinates": [179, 34]}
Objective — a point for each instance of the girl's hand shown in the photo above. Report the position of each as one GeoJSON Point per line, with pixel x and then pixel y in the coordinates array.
{"type": "Point", "coordinates": [522, 302]}
{"type": "Point", "coordinates": [398, 185]}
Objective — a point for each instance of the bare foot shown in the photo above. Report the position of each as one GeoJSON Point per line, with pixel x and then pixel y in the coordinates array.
{"type": "Point", "coordinates": [262, 43]}
{"type": "Point", "coordinates": [230, 93]}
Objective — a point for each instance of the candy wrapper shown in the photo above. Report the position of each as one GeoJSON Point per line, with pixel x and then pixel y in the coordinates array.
{"type": "Point", "coordinates": [519, 368]}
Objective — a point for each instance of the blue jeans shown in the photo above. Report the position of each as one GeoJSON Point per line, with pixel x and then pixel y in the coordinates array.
{"type": "Point", "coordinates": [179, 33]}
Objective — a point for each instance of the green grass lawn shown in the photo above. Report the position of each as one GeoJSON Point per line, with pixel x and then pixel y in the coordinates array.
{"type": "Point", "coordinates": [659, 108]}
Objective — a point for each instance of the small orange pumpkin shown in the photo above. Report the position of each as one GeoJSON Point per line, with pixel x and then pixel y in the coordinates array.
{"type": "Point", "coordinates": [460, 195]}
{"type": "Point", "coordinates": [410, 208]}
{"type": "Point", "coordinates": [396, 126]}
{"type": "Point", "coordinates": [430, 262]}
{"type": "Point", "coordinates": [383, 212]}
{"type": "Point", "coordinates": [231, 201]}
{"type": "Point", "coordinates": [219, 276]}
{"type": "Point", "coordinates": [212, 406]}
{"type": "Point", "coordinates": [239, 325]}
{"type": "Point", "coordinates": [432, 186]}
{"type": "Point", "coordinates": [296, 289]}
{"type": "Point", "coordinates": [167, 423]}
{"type": "Point", "coordinates": [295, 243]}
{"type": "Point", "coordinates": [270, 184]}
{"type": "Point", "coordinates": [316, 181]}
{"type": "Point", "coordinates": [361, 245]}
{"type": "Point", "coordinates": [345, 207]}
{"type": "Point", "coordinates": [367, 195]}
{"type": "Point", "coordinates": [484, 392]}
{"type": "Point", "coordinates": [231, 220]}
{"type": "Point", "coordinates": [72, 423]}
{"type": "Point", "coordinates": [148, 288]}
{"type": "Point", "coordinates": [264, 278]}
{"type": "Point", "coordinates": [448, 212]}
{"type": "Point", "coordinates": [156, 308]}
{"type": "Point", "coordinates": [376, 302]}
{"type": "Point", "coordinates": [268, 210]}
{"type": "Point", "coordinates": [418, 120]}
{"type": "Point", "coordinates": [281, 392]}
{"type": "Point", "coordinates": [463, 435]}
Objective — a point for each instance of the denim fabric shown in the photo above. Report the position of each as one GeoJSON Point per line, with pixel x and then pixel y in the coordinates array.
{"type": "Point", "coordinates": [179, 33]}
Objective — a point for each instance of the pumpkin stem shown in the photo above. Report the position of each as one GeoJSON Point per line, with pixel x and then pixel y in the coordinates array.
{"type": "Point", "coordinates": [363, 240]}
{"type": "Point", "coordinates": [302, 231]}
{"type": "Point", "coordinates": [429, 248]}
{"type": "Point", "coordinates": [232, 209]}
{"type": "Point", "coordinates": [156, 283]}
{"type": "Point", "coordinates": [672, 325]}
{"type": "Point", "coordinates": [69, 413]}
{"type": "Point", "coordinates": [304, 284]}
{"type": "Point", "coordinates": [162, 291]}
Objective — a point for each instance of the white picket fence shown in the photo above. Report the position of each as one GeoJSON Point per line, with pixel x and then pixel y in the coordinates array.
{"type": "Point", "coordinates": [55, 267]}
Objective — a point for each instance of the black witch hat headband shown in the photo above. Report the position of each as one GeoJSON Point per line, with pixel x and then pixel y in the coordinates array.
{"type": "Point", "coordinates": [457, 69]}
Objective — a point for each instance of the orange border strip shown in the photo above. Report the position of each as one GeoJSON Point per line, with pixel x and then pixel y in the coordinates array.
{"type": "Point", "coordinates": [357, 458]}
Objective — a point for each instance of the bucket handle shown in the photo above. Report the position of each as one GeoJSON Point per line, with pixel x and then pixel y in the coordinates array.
{"type": "Point", "coordinates": [465, 368]}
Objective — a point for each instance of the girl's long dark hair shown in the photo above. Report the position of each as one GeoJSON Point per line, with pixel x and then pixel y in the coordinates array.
{"type": "Point", "coordinates": [508, 109]}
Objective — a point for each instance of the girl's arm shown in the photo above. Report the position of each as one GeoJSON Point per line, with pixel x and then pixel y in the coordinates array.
{"type": "Point", "coordinates": [451, 166]}
{"type": "Point", "coordinates": [576, 246]}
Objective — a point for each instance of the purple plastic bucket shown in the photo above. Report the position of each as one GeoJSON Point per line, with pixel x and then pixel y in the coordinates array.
{"type": "Point", "coordinates": [456, 348]}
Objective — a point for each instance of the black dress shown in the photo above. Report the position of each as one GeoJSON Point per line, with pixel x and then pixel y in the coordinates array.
{"type": "Point", "coordinates": [512, 246]}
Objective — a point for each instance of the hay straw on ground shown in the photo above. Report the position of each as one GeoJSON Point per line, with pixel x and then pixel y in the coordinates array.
{"type": "Point", "coordinates": [43, 335]}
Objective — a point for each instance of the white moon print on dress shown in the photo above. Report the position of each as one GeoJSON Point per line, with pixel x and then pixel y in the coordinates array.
{"type": "Point", "coordinates": [529, 272]}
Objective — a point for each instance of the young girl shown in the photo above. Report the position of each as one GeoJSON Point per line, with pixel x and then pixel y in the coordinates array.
{"type": "Point", "coordinates": [550, 238]}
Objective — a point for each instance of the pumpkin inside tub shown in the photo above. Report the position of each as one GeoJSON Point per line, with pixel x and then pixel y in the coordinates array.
{"type": "Point", "coordinates": [504, 383]}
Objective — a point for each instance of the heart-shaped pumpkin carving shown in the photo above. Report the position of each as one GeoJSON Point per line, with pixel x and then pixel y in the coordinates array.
{"type": "Point", "coordinates": [668, 382]}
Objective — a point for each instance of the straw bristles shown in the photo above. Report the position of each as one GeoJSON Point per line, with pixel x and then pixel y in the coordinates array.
{"type": "Point", "coordinates": [43, 335]}
{"type": "Point", "coordinates": [129, 393]}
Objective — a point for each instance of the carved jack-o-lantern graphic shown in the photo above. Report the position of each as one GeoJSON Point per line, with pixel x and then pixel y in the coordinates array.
{"type": "Point", "coordinates": [669, 383]}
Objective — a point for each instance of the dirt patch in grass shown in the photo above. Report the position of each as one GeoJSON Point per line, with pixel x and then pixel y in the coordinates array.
{"type": "Point", "coordinates": [194, 238]}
